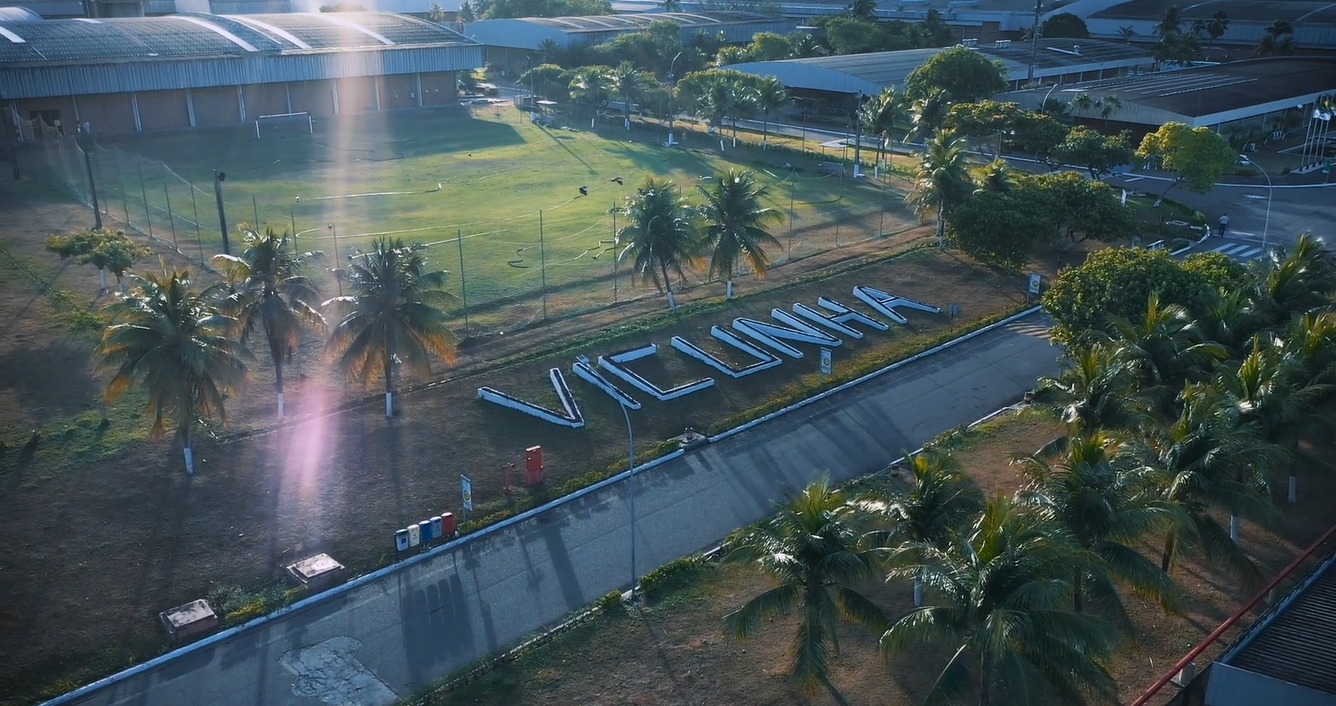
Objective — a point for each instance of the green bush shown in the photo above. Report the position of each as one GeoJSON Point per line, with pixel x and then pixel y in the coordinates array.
{"type": "Point", "coordinates": [610, 603]}
{"type": "Point", "coordinates": [670, 576]}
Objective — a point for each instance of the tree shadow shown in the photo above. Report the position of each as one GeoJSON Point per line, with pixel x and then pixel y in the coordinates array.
{"type": "Point", "coordinates": [50, 382]}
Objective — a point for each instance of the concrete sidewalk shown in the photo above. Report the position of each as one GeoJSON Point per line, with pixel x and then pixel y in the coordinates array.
{"type": "Point", "coordinates": [393, 636]}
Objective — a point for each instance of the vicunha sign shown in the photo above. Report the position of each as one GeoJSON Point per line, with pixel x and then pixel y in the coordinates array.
{"type": "Point", "coordinates": [758, 340]}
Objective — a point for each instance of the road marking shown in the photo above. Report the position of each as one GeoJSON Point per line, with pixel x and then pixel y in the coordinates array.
{"type": "Point", "coordinates": [1235, 249]}
{"type": "Point", "coordinates": [1132, 179]}
{"type": "Point", "coordinates": [329, 672]}
{"type": "Point", "coordinates": [1220, 248]}
{"type": "Point", "coordinates": [1249, 254]}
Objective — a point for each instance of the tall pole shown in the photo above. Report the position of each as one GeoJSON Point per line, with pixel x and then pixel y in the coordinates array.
{"type": "Point", "coordinates": [338, 271]}
{"type": "Point", "coordinates": [615, 254]}
{"type": "Point", "coordinates": [292, 217]}
{"type": "Point", "coordinates": [858, 133]}
{"type": "Point", "coordinates": [631, 493]}
{"type": "Point", "coordinates": [672, 95]}
{"type": "Point", "coordinates": [218, 178]}
{"type": "Point", "coordinates": [542, 262]}
{"type": "Point", "coordinates": [92, 186]}
{"type": "Point", "coordinates": [1270, 191]}
{"type": "Point", "coordinates": [463, 284]}
{"type": "Point", "coordinates": [533, 98]}
{"type": "Point", "coordinates": [1034, 44]}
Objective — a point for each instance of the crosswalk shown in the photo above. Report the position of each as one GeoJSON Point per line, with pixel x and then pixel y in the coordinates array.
{"type": "Point", "coordinates": [1238, 251]}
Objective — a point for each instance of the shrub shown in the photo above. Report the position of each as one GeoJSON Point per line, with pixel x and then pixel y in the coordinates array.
{"type": "Point", "coordinates": [670, 576]}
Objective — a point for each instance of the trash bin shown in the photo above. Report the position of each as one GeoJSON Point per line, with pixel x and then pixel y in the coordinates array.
{"type": "Point", "coordinates": [448, 524]}
{"type": "Point", "coordinates": [401, 540]}
{"type": "Point", "coordinates": [533, 465]}
{"type": "Point", "coordinates": [437, 527]}
{"type": "Point", "coordinates": [424, 530]}
{"type": "Point", "coordinates": [414, 535]}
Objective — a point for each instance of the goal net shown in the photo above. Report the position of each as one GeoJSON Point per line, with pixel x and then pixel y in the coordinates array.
{"type": "Point", "coordinates": [283, 124]}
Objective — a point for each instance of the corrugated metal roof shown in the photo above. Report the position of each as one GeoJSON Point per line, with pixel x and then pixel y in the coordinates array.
{"type": "Point", "coordinates": [199, 35]}
{"type": "Point", "coordinates": [603, 23]}
{"type": "Point", "coordinates": [1297, 643]}
{"type": "Point", "coordinates": [1292, 11]}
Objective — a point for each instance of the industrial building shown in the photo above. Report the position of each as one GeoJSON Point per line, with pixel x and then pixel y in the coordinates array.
{"type": "Point", "coordinates": [126, 75]}
{"type": "Point", "coordinates": [1313, 22]}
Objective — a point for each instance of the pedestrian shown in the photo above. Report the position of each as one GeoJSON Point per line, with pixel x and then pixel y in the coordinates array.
{"type": "Point", "coordinates": [1224, 223]}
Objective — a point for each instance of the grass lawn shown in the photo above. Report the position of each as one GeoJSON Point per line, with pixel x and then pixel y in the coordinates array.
{"type": "Point", "coordinates": [673, 650]}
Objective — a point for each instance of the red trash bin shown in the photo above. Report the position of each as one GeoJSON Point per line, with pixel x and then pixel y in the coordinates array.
{"type": "Point", "coordinates": [533, 465]}
{"type": "Point", "coordinates": [448, 524]}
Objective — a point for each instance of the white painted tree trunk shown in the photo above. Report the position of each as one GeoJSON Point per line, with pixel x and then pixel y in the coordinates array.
{"type": "Point", "coordinates": [190, 462]}
{"type": "Point", "coordinates": [102, 278]}
{"type": "Point", "coordinates": [389, 404]}
{"type": "Point", "coordinates": [721, 144]}
{"type": "Point", "coordinates": [918, 592]}
{"type": "Point", "coordinates": [672, 303]}
{"type": "Point", "coordinates": [1234, 528]}
{"type": "Point", "coordinates": [627, 122]}
{"type": "Point", "coordinates": [280, 405]}
{"type": "Point", "coordinates": [730, 289]}
{"type": "Point", "coordinates": [1294, 489]}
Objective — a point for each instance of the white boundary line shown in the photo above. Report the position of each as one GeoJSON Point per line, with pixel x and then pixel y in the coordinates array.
{"type": "Point", "coordinates": [89, 689]}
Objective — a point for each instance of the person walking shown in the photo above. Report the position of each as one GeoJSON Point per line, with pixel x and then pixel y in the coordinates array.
{"type": "Point", "coordinates": [1224, 223]}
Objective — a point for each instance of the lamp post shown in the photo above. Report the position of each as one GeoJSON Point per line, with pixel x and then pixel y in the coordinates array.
{"type": "Point", "coordinates": [672, 95]}
{"type": "Point", "coordinates": [533, 98]}
{"type": "Point", "coordinates": [292, 218]}
{"type": "Point", "coordinates": [631, 493]}
{"type": "Point", "coordinates": [338, 270]}
{"type": "Point", "coordinates": [1270, 190]}
{"type": "Point", "coordinates": [92, 183]}
{"type": "Point", "coordinates": [218, 178]}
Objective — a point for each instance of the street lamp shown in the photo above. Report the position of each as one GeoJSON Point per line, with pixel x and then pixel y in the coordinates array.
{"type": "Point", "coordinates": [533, 99]}
{"type": "Point", "coordinates": [338, 270]}
{"type": "Point", "coordinates": [1270, 189]}
{"type": "Point", "coordinates": [292, 218]}
{"type": "Point", "coordinates": [631, 492]}
{"type": "Point", "coordinates": [218, 178]}
{"type": "Point", "coordinates": [672, 95]}
{"type": "Point", "coordinates": [88, 166]}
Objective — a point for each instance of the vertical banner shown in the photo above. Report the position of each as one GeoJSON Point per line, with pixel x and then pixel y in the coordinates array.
{"type": "Point", "coordinates": [466, 492]}
{"type": "Point", "coordinates": [1035, 279]}
{"type": "Point", "coordinates": [825, 361]}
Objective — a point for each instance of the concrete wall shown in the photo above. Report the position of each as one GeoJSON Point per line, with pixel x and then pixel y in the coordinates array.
{"type": "Point", "coordinates": [398, 92]}
{"type": "Point", "coordinates": [439, 88]}
{"type": "Point", "coordinates": [162, 110]}
{"type": "Point", "coordinates": [107, 113]}
{"type": "Point", "coordinates": [314, 97]}
{"type": "Point", "coordinates": [356, 95]}
{"type": "Point", "coordinates": [265, 99]}
{"type": "Point", "coordinates": [30, 108]}
{"type": "Point", "coordinates": [216, 107]}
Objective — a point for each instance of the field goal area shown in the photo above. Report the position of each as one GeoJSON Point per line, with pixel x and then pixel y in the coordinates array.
{"type": "Point", "coordinates": [283, 124]}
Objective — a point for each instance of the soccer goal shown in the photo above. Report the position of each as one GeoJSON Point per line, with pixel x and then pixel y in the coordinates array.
{"type": "Point", "coordinates": [283, 123]}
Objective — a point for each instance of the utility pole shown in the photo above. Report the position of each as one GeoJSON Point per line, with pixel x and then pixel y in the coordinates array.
{"type": "Point", "coordinates": [92, 183]}
{"type": "Point", "coordinates": [218, 178]}
{"type": "Point", "coordinates": [1034, 43]}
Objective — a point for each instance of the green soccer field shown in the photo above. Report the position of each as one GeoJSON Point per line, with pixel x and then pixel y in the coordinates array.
{"type": "Point", "coordinates": [495, 197]}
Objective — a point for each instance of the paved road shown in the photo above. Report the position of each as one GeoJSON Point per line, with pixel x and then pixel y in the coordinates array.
{"type": "Point", "coordinates": [397, 634]}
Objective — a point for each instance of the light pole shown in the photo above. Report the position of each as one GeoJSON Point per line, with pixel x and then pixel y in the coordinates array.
{"type": "Point", "coordinates": [533, 99]}
{"type": "Point", "coordinates": [672, 95]}
{"type": "Point", "coordinates": [338, 270]}
{"type": "Point", "coordinates": [631, 492]}
{"type": "Point", "coordinates": [1270, 190]}
{"type": "Point", "coordinates": [92, 183]}
{"type": "Point", "coordinates": [218, 178]}
{"type": "Point", "coordinates": [292, 218]}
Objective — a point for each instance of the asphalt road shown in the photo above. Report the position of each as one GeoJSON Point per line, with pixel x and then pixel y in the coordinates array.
{"type": "Point", "coordinates": [396, 634]}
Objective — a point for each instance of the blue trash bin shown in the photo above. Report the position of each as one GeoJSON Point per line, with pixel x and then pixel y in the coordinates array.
{"type": "Point", "coordinates": [424, 529]}
{"type": "Point", "coordinates": [401, 540]}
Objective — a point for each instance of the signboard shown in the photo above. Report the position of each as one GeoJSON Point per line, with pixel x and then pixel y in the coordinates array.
{"type": "Point", "coordinates": [1034, 282]}
{"type": "Point", "coordinates": [466, 492]}
{"type": "Point", "coordinates": [825, 361]}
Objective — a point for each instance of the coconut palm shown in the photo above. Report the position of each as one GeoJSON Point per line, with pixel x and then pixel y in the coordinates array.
{"type": "Point", "coordinates": [1206, 458]}
{"type": "Point", "coordinates": [1108, 105]}
{"type": "Point", "coordinates": [589, 87]}
{"type": "Point", "coordinates": [769, 95]}
{"type": "Point", "coordinates": [662, 237]}
{"type": "Point", "coordinates": [811, 548]}
{"type": "Point", "coordinates": [942, 180]}
{"type": "Point", "coordinates": [1228, 318]}
{"type": "Point", "coordinates": [928, 114]}
{"type": "Point", "coordinates": [939, 501]}
{"type": "Point", "coordinates": [268, 293]}
{"type": "Point", "coordinates": [1165, 349]}
{"type": "Point", "coordinates": [1095, 391]}
{"type": "Point", "coordinates": [1126, 32]}
{"type": "Point", "coordinates": [886, 115]}
{"type": "Point", "coordinates": [996, 177]}
{"type": "Point", "coordinates": [1170, 23]}
{"type": "Point", "coordinates": [1082, 102]}
{"type": "Point", "coordinates": [393, 317]}
{"type": "Point", "coordinates": [169, 340]}
{"type": "Point", "coordinates": [999, 606]}
{"type": "Point", "coordinates": [1293, 282]}
{"type": "Point", "coordinates": [627, 83]}
{"type": "Point", "coordinates": [735, 220]}
{"type": "Point", "coordinates": [1107, 506]}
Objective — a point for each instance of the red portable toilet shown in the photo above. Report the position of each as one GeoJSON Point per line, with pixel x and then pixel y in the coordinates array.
{"type": "Point", "coordinates": [533, 465]}
{"type": "Point", "coordinates": [448, 524]}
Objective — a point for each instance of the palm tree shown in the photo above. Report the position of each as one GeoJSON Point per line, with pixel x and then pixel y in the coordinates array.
{"type": "Point", "coordinates": [1108, 105]}
{"type": "Point", "coordinates": [662, 237]}
{"type": "Point", "coordinates": [394, 316]}
{"type": "Point", "coordinates": [1216, 26]}
{"type": "Point", "coordinates": [1001, 595]}
{"type": "Point", "coordinates": [1170, 23]}
{"type": "Point", "coordinates": [1229, 318]}
{"type": "Point", "coordinates": [1297, 281]}
{"type": "Point", "coordinates": [1096, 391]}
{"type": "Point", "coordinates": [436, 13]}
{"type": "Point", "coordinates": [628, 83]}
{"type": "Point", "coordinates": [1082, 102]}
{"type": "Point", "coordinates": [769, 95]}
{"type": "Point", "coordinates": [1107, 508]}
{"type": "Point", "coordinates": [939, 500]}
{"type": "Point", "coordinates": [928, 113]}
{"type": "Point", "coordinates": [268, 293]}
{"type": "Point", "coordinates": [942, 180]}
{"type": "Point", "coordinates": [883, 115]}
{"type": "Point", "coordinates": [1126, 32]}
{"type": "Point", "coordinates": [169, 340]}
{"type": "Point", "coordinates": [1278, 38]}
{"type": "Point", "coordinates": [996, 177]}
{"type": "Point", "coordinates": [717, 103]}
{"type": "Point", "coordinates": [812, 548]}
{"type": "Point", "coordinates": [735, 223]}
{"type": "Point", "coordinates": [589, 87]}
{"type": "Point", "coordinates": [1206, 458]}
{"type": "Point", "coordinates": [1165, 350]}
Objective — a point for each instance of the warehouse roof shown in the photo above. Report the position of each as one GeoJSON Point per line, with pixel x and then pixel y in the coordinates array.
{"type": "Point", "coordinates": [1292, 11]}
{"type": "Point", "coordinates": [603, 23]}
{"type": "Point", "coordinates": [48, 42]}
{"type": "Point", "coordinates": [869, 73]}
{"type": "Point", "coordinates": [531, 32]}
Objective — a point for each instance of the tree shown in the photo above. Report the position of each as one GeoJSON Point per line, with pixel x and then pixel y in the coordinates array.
{"type": "Point", "coordinates": [928, 114]}
{"type": "Point", "coordinates": [982, 120]}
{"type": "Point", "coordinates": [627, 83]}
{"type": "Point", "coordinates": [549, 81]}
{"type": "Point", "coordinates": [1038, 134]}
{"type": "Point", "coordinates": [1064, 24]}
{"type": "Point", "coordinates": [939, 501]}
{"type": "Point", "coordinates": [1300, 280]}
{"type": "Point", "coordinates": [466, 13]}
{"type": "Point", "coordinates": [1197, 156]}
{"type": "Point", "coordinates": [589, 88]}
{"type": "Point", "coordinates": [863, 10]}
{"type": "Point", "coordinates": [812, 549]}
{"type": "Point", "coordinates": [103, 248]}
{"type": "Point", "coordinates": [1085, 205]}
{"type": "Point", "coordinates": [436, 13]}
{"type": "Point", "coordinates": [1086, 486]}
{"type": "Point", "coordinates": [885, 115]}
{"type": "Point", "coordinates": [1108, 105]}
{"type": "Point", "coordinates": [1000, 598]}
{"type": "Point", "coordinates": [942, 180]}
{"type": "Point", "coordinates": [1097, 152]}
{"type": "Point", "coordinates": [1117, 282]}
{"type": "Point", "coordinates": [662, 237]}
{"type": "Point", "coordinates": [1165, 350]}
{"type": "Point", "coordinates": [1277, 38]}
{"type": "Point", "coordinates": [735, 221]}
{"type": "Point", "coordinates": [852, 35]}
{"type": "Point", "coordinates": [170, 341]}
{"type": "Point", "coordinates": [1126, 32]}
{"type": "Point", "coordinates": [996, 177]}
{"type": "Point", "coordinates": [999, 227]}
{"type": "Point", "coordinates": [1095, 391]}
{"type": "Point", "coordinates": [393, 317]}
{"type": "Point", "coordinates": [965, 75]}
{"type": "Point", "coordinates": [1216, 26]}
{"type": "Point", "coordinates": [768, 46]}
{"type": "Point", "coordinates": [1170, 23]}
{"type": "Point", "coordinates": [770, 95]}
{"type": "Point", "coordinates": [1082, 102]}
{"type": "Point", "coordinates": [269, 293]}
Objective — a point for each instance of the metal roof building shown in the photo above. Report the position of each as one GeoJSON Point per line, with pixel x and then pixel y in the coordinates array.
{"type": "Point", "coordinates": [193, 70]}
{"type": "Point", "coordinates": [530, 32]}
{"type": "Point", "coordinates": [1208, 95]}
{"type": "Point", "coordinates": [1314, 21]}
{"type": "Point", "coordinates": [1056, 59]}
{"type": "Point", "coordinates": [1289, 654]}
